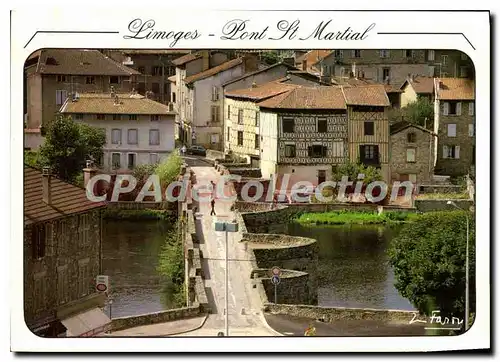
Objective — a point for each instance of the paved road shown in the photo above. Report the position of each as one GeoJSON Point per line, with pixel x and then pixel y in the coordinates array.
{"type": "Point", "coordinates": [244, 302]}
{"type": "Point", "coordinates": [196, 161]}
{"type": "Point", "coordinates": [296, 326]}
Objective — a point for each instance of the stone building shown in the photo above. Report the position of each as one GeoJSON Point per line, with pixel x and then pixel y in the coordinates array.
{"type": "Point", "coordinates": [454, 123]}
{"type": "Point", "coordinates": [411, 153]}
{"type": "Point", "coordinates": [53, 75]}
{"type": "Point", "coordinates": [306, 61]}
{"type": "Point", "coordinates": [415, 87]}
{"type": "Point", "coordinates": [393, 66]}
{"type": "Point", "coordinates": [138, 130]}
{"type": "Point", "coordinates": [62, 257]}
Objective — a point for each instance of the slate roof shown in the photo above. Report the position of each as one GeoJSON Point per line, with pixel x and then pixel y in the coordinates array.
{"type": "Point", "coordinates": [79, 62]}
{"type": "Point", "coordinates": [103, 103]}
{"type": "Point", "coordinates": [67, 199]}
{"type": "Point", "coordinates": [456, 89]}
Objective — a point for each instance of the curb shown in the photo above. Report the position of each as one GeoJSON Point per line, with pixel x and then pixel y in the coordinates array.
{"type": "Point", "coordinates": [188, 330]}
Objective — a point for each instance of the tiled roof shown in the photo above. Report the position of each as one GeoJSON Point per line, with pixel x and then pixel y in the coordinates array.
{"type": "Point", "coordinates": [155, 51]}
{"type": "Point", "coordinates": [186, 59]}
{"type": "Point", "coordinates": [399, 126]}
{"type": "Point", "coordinates": [262, 91]}
{"type": "Point", "coordinates": [307, 97]}
{"type": "Point", "coordinates": [80, 62]}
{"type": "Point", "coordinates": [213, 71]}
{"type": "Point", "coordinates": [259, 71]}
{"type": "Point", "coordinates": [172, 78]}
{"type": "Point", "coordinates": [371, 95]}
{"type": "Point", "coordinates": [456, 89]}
{"type": "Point", "coordinates": [313, 56]}
{"type": "Point", "coordinates": [99, 103]}
{"type": "Point", "coordinates": [66, 199]}
{"type": "Point", "coordinates": [422, 84]}
{"type": "Point", "coordinates": [356, 82]}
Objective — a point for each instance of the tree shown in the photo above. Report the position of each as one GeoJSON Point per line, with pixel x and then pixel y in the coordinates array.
{"type": "Point", "coordinates": [68, 145]}
{"type": "Point", "coordinates": [353, 169]}
{"type": "Point", "coordinates": [428, 257]}
{"type": "Point", "coordinates": [416, 112]}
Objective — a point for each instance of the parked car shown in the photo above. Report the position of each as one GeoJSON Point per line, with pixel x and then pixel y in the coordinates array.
{"type": "Point", "coordinates": [197, 150]}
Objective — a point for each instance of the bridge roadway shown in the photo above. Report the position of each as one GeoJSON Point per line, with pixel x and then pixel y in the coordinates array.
{"type": "Point", "coordinates": [245, 314]}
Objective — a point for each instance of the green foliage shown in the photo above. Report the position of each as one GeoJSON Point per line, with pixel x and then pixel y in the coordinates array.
{"type": "Point", "coordinates": [32, 158]}
{"type": "Point", "coordinates": [428, 258]}
{"type": "Point", "coordinates": [353, 169]}
{"type": "Point", "coordinates": [68, 145]}
{"type": "Point", "coordinates": [169, 169]}
{"type": "Point", "coordinates": [145, 214]}
{"type": "Point", "coordinates": [171, 267]}
{"type": "Point", "coordinates": [415, 112]}
{"type": "Point", "coordinates": [142, 172]}
{"type": "Point", "coordinates": [361, 218]}
{"type": "Point", "coordinates": [443, 196]}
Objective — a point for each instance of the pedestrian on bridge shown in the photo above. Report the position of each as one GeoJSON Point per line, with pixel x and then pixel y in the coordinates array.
{"type": "Point", "coordinates": [213, 207]}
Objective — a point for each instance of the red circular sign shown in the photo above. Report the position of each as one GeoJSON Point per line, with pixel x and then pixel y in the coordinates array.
{"type": "Point", "coordinates": [101, 287]}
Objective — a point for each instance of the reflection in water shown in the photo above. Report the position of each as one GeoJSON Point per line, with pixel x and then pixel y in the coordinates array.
{"type": "Point", "coordinates": [353, 269]}
{"type": "Point", "coordinates": [130, 255]}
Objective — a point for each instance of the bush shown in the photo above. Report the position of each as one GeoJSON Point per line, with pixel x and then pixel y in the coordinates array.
{"type": "Point", "coordinates": [353, 169]}
{"type": "Point", "coordinates": [428, 258]}
{"type": "Point", "coordinates": [169, 169]}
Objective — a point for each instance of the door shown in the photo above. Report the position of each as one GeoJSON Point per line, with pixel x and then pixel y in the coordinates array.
{"type": "Point", "coordinates": [131, 160]}
{"type": "Point", "coordinates": [321, 176]}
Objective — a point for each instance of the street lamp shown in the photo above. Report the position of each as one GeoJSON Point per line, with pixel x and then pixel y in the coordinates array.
{"type": "Point", "coordinates": [466, 266]}
{"type": "Point", "coordinates": [227, 227]}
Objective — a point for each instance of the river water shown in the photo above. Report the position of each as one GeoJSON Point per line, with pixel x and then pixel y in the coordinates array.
{"type": "Point", "coordinates": [352, 266]}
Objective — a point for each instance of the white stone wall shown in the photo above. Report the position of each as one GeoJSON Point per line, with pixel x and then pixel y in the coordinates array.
{"type": "Point", "coordinates": [268, 143]}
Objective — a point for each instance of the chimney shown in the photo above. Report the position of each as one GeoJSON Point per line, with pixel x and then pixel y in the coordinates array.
{"type": "Point", "coordinates": [46, 185]}
{"type": "Point", "coordinates": [88, 172]}
{"type": "Point", "coordinates": [354, 69]}
{"type": "Point", "coordinates": [205, 60]}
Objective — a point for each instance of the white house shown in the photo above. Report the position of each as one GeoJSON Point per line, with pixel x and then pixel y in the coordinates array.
{"type": "Point", "coordinates": [138, 130]}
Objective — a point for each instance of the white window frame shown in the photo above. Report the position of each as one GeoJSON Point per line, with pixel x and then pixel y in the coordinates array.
{"type": "Point", "coordinates": [431, 55]}
{"type": "Point", "coordinates": [411, 155]}
{"type": "Point", "coordinates": [215, 93]}
{"type": "Point", "coordinates": [451, 130]}
{"type": "Point", "coordinates": [114, 141]}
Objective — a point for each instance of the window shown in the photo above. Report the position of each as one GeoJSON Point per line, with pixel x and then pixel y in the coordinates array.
{"type": "Point", "coordinates": [131, 161]}
{"type": "Point", "coordinates": [116, 136]}
{"type": "Point", "coordinates": [384, 53]}
{"type": "Point", "coordinates": [369, 154]}
{"type": "Point", "coordinates": [228, 112]}
{"type": "Point", "coordinates": [115, 160]}
{"type": "Point", "coordinates": [316, 151]}
{"type": "Point", "coordinates": [117, 117]}
{"type": "Point", "coordinates": [62, 284]}
{"type": "Point", "coordinates": [321, 176]}
{"type": "Point", "coordinates": [90, 80]}
{"type": "Point", "coordinates": [171, 70]}
{"type": "Point", "coordinates": [154, 117]}
{"type": "Point", "coordinates": [141, 70]}
{"type": "Point", "coordinates": [356, 53]}
{"type": "Point", "coordinates": [155, 88]}
{"type": "Point", "coordinates": [471, 130]}
{"type": "Point", "coordinates": [257, 118]}
{"type": "Point", "coordinates": [132, 117]}
{"type": "Point", "coordinates": [444, 59]}
{"type": "Point", "coordinates": [100, 117]}
{"type": "Point", "coordinates": [215, 93]}
{"type": "Point", "coordinates": [83, 229]}
{"type": "Point", "coordinates": [408, 53]}
{"type": "Point", "coordinates": [173, 97]}
{"type": "Point", "coordinates": [153, 158]}
{"type": "Point", "coordinates": [471, 108]}
{"type": "Point", "coordinates": [338, 149]}
{"type": "Point", "coordinates": [61, 79]}
{"type": "Point", "coordinates": [412, 137]}
{"type": "Point", "coordinates": [430, 55]}
{"type": "Point", "coordinates": [463, 72]}
{"type": "Point", "coordinates": [322, 125]}
{"type": "Point", "coordinates": [240, 138]}
{"type": "Point", "coordinates": [410, 155]}
{"type": "Point", "coordinates": [339, 53]}
{"type": "Point", "coordinates": [156, 70]}
{"type": "Point", "coordinates": [369, 128]}
{"type": "Point", "coordinates": [288, 125]}
{"type": "Point", "coordinates": [38, 241]}
{"type": "Point", "coordinates": [452, 130]}
{"type": "Point", "coordinates": [240, 116]}
{"type": "Point", "coordinates": [290, 151]}
{"type": "Point", "coordinates": [114, 80]}
{"type": "Point", "coordinates": [214, 138]}
{"type": "Point", "coordinates": [154, 137]}
{"type": "Point", "coordinates": [61, 96]}
{"type": "Point", "coordinates": [215, 113]}
{"type": "Point", "coordinates": [132, 136]}
{"type": "Point", "coordinates": [386, 73]}
{"type": "Point", "coordinates": [228, 133]}
{"type": "Point", "coordinates": [79, 116]}
{"type": "Point", "coordinates": [257, 142]}
{"type": "Point", "coordinates": [451, 152]}
{"type": "Point", "coordinates": [452, 108]}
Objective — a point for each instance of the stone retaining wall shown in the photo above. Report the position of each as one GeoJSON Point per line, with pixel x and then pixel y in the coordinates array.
{"type": "Point", "coordinates": [132, 205]}
{"type": "Point", "coordinates": [215, 155]}
{"type": "Point", "coordinates": [426, 205]}
{"type": "Point", "coordinates": [294, 286]}
{"type": "Point", "coordinates": [329, 314]}
{"type": "Point", "coordinates": [159, 317]}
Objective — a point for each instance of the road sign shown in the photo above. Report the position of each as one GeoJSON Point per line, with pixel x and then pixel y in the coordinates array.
{"type": "Point", "coordinates": [275, 280]}
{"type": "Point", "coordinates": [276, 271]}
{"type": "Point", "coordinates": [102, 283]}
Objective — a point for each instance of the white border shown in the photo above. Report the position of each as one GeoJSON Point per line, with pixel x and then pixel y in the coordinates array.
{"type": "Point", "coordinates": [24, 24]}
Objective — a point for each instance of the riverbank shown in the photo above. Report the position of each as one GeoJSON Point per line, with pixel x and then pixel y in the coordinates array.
{"type": "Point", "coordinates": [133, 215]}
{"type": "Point", "coordinates": [357, 218]}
